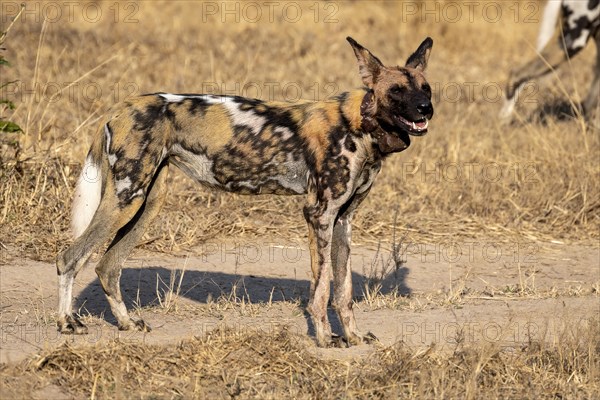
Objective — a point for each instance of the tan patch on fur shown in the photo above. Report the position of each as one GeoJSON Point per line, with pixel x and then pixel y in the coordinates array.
{"type": "Point", "coordinates": [247, 149]}
{"type": "Point", "coordinates": [212, 131]}
{"type": "Point", "coordinates": [125, 137]}
{"type": "Point", "coordinates": [297, 114]}
{"type": "Point", "coordinates": [418, 75]}
{"type": "Point", "coordinates": [320, 118]}
{"type": "Point", "coordinates": [121, 122]}
{"type": "Point", "coordinates": [97, 147]}
{"type": "Point", "coordinates": [267, 137]}
{"type": "Point", "coordinates": [352, 108]}
{"type": "Point", "coordinates": [333, 112]}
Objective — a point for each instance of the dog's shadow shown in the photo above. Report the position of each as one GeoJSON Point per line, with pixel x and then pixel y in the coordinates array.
{"type": "Point", "coordinates": [149, 286]}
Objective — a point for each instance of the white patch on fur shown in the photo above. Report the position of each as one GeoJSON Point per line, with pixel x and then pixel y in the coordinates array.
{"type": "Point", "coordinates": [548, 25]}
{"type": "Point", "coordinates": [87, 197]}
{"type": "Point", "coordinates": [197, 166]}
{"type": "Point", "coordinates": [581, 40]}
{"type": "Point", "coordinates": [212, 99]}
{"type": "Point", "coordinates": [579, 9]}
{"type": "Point", "coordinates": [173, 98]}
{"type": "Point", "coordinates": [65, 288]}
{"type": "Point", "coordinates": [108, 135]}
{"type": "Point", "coordinates": [112, 158]}
{"type": "Point", "coordinates": [509, 105]}
{"type": "Point", "coordinates": [122, 184]}
{"type": "Point", "coordinates": [209, 98]}
{"type": "Point", "coordinates": [296, 178]}
{"type": "Point", "coordinates": [245, 118]}
{"type": "Point", "coordinates": [285, 132]}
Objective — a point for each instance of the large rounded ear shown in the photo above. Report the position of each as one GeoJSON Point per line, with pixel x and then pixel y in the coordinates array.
{"type": "Point", "coordinates": [369, 66]}
{"type": "Point", "coordinates": [418, 59]}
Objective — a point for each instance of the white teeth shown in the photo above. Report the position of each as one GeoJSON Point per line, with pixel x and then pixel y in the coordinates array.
{"type": "Point", "coordinates": [414, 125]}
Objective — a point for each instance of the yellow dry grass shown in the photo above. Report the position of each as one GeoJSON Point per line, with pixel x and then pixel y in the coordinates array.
{"type": "Point", "coordinates": [538, 179]}
{"type": "Point", "coordinates": [278, 364]}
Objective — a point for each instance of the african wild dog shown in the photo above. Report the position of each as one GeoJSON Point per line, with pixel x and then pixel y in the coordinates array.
{"type": "Point", "coordinates": [330, 150]}
{"type": "Point", "coordinates": [580, 21]}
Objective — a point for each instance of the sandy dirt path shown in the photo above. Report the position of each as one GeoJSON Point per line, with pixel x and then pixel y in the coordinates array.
{"type": "Point", "coordinates": [477, 291]}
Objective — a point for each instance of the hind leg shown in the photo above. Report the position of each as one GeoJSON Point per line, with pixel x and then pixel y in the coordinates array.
{"type": "Point", "coordinates": [109, 267]}
{"type": "Point", "coordinates": [549, 59]}
{"type": "Point", "coordinates": [102, 228]}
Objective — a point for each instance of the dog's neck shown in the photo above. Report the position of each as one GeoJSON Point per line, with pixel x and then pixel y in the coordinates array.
{"type": "Point", "coordinates": [387, 140]}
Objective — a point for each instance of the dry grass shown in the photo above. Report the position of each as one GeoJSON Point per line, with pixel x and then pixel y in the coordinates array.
{"type": "Point", "coordinates": [71, 73]}
{"type": "Point", "coordinates": [278, 364]}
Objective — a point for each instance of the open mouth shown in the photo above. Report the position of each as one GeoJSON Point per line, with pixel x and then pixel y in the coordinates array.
{"type": "Point", "coordinates": [415, 128]}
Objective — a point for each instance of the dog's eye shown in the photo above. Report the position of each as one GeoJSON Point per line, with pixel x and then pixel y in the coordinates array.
{"type": "Point", "coordinates": [426, 88]}
{"type": "Point", "coordinates": [396, 89]}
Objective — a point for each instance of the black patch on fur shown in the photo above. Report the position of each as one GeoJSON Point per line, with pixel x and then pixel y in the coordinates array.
{"type": "Point", "coordinates": [581, 26]}
{"type": "Point", "coordinates": [335, 171]}
{"type": "Point", "coordinates": [349, 144]}
{"type": "Point", "coordinates": [253, 162]}
{"type": "Point", "coordinates": [196, 106]}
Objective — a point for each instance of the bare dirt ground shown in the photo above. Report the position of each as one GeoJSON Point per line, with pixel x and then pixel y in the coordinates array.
{"type": "Point", "coordinates": [474, 291]}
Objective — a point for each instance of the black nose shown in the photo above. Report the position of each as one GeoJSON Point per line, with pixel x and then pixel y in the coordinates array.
{"type": "Point", "coordinates": [425, 108]}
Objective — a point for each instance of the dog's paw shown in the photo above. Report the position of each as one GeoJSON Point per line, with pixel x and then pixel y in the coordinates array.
{"type": "Point", "coordinates": [135, 325]}
{"type": "Point", "coordinates": [369, 338]}
{"type": "Point", "coordinates": [338, 342]}
{"type": "Point", "coordinates": [358, 338]}
{"type": "Point", "coordinates": [71, 325]}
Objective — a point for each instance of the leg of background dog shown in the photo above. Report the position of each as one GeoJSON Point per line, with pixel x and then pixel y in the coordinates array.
{"type": "Point", "coordinates": [548, 60]}
{"type": "Point", "coordinates": [579, 21]}
{"type": "Point", "coordinates": [590, 105]}
{"type": "Point", "coordinates": [109, 267]}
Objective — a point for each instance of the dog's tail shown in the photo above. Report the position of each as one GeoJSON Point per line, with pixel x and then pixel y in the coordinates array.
{"type": "Point", "coordinates": [88, 190]}
{"type": "Point", "coordinates": [548, 25]}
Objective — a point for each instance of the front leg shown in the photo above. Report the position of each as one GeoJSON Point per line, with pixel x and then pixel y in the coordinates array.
{"type": "Point", "coordinates": [342, 272]}
{"type": "Point", "coordinates": [320, 228]}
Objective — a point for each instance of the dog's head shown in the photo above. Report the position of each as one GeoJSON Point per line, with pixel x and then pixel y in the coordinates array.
{"type": "Point", "coordinates": [399, 99]}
